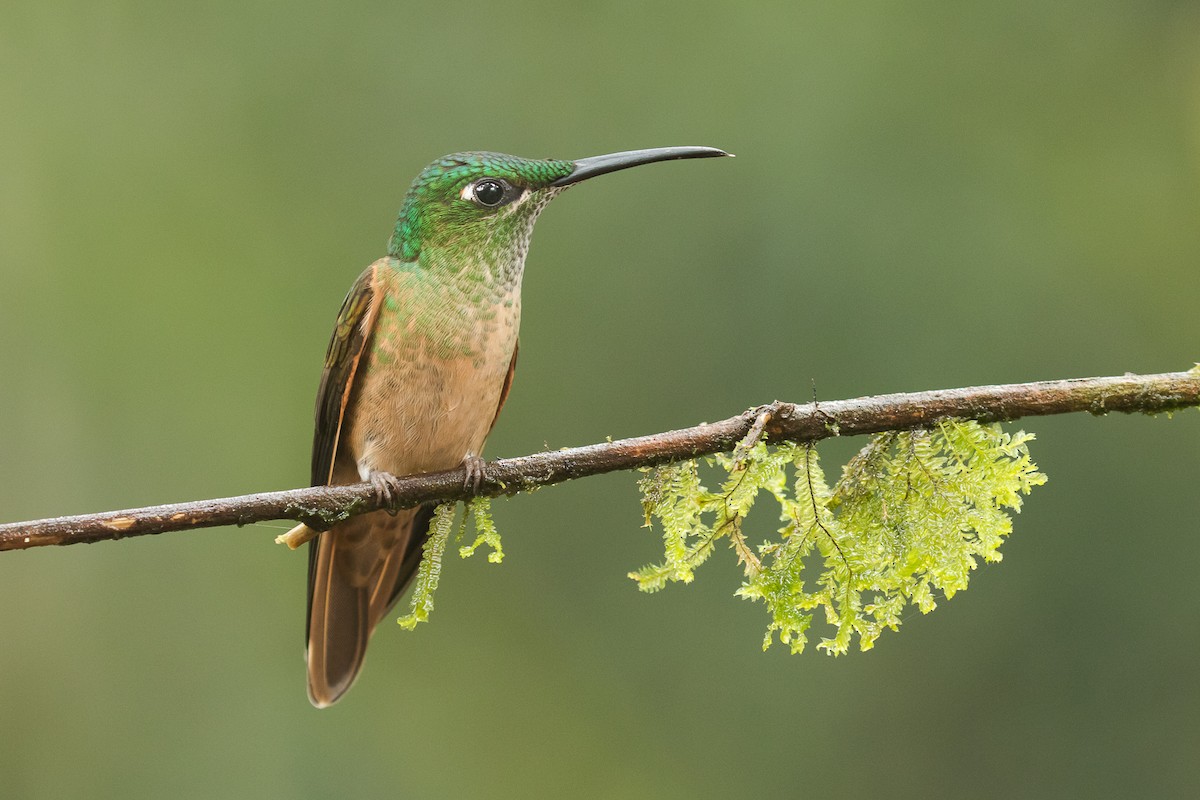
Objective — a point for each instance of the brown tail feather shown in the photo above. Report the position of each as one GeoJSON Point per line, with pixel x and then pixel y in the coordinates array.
{"type": "Point", "coordinates": [357, 571]}
{"type": "Point", "coordinates": [411, 560]}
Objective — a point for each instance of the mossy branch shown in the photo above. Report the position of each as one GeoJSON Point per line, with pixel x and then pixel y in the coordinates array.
{"type": "Point", "coordinates": [778, 422]}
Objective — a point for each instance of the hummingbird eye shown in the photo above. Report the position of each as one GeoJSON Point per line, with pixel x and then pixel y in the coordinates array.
{"type": "Point", "coordinates": [489, 192]}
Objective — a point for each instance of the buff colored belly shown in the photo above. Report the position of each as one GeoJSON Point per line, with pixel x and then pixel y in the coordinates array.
{"type": "Point", "coordinates": [417, 410]}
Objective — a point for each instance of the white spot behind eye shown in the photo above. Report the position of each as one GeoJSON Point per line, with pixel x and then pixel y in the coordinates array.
{"type": "Point", "coordinates": [468, 192]}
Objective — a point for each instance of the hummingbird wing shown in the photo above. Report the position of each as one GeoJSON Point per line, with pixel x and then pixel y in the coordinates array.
{"type": "Point", "coordinates": [342, 634]}
{"type": "Point", "coordinates": [508, 379]}
{"type": "Point", "coordinates": [355, 322]}
{"type": "Point", "coordinates": [350, 334]}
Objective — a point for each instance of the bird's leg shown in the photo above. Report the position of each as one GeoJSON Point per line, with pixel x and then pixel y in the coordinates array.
{"type": "Point", "coordinates": [476, 470]}
{"type": "Point", "coordinates": [385, 485]}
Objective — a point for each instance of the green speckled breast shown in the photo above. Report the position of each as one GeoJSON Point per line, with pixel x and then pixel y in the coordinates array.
{"type": "Point", "coordinates": [433, 373]}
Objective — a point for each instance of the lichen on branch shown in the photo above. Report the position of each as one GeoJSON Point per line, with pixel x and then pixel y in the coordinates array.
{"type": "Point", "coordinates": [911, 516]}
{"type": "Point", "coordinates": [429, 572]}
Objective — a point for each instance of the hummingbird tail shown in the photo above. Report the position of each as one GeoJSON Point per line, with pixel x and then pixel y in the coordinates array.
{"type": "Point", "coordinates": [357, 572]}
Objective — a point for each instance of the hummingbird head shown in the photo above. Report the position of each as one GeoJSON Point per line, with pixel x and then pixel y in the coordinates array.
{"type": "Point", "coordinates": [475, 211]}
{"type": "Point", "coordinates": [472, 204]}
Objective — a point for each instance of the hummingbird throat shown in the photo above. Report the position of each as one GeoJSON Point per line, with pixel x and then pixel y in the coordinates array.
{"type": "Point", "coordinates": [484, 258]}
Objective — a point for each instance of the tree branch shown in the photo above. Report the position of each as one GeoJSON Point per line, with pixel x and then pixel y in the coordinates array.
{"type": "Point", "coordinates": [320, 507]}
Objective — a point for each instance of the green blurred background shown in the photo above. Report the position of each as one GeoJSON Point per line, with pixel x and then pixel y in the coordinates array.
{"type": "Point", "coordinates": [926, 194]}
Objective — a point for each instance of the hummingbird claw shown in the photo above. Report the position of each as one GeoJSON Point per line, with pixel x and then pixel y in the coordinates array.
{"type": "Point", "coordinates": [385, 487]}
{"type": "Point", "coordinates": [476, 472]}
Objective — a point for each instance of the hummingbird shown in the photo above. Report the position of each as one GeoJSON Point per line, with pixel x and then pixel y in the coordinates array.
{"type": "Point", "coordinates": [419, 365]}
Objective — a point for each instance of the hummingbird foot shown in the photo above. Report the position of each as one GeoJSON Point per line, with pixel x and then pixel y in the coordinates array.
{"type": "Point", "coordinates": [385, 485]}
{"type": "Point", "coordinates": [476, 472]}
